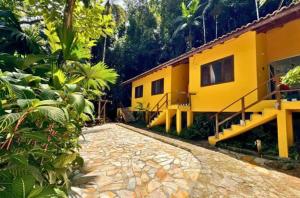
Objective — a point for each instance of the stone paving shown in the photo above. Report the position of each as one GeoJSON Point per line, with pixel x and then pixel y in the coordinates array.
{"type": "Point", "coordinates": [122, 163]}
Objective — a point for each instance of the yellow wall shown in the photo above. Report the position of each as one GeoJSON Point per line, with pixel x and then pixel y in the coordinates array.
{"type": "Point", "coordinates": [283, 42]}
{"type": "Point", "coordinates": [262, 65]}
{"type": "Point", "coordinates": [215, 97]}
{"type": "Point", "coordinates": [146, 81]}
{"type": "Point", "coordinates": [177, 76]}
{"type": "Point", "coordinates": [276, 44]}
{"type": "Point", "coordinates": [180, 83]}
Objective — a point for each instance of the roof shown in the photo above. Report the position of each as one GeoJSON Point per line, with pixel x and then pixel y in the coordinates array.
{"type": "Point", "coordinates": [270, 21]}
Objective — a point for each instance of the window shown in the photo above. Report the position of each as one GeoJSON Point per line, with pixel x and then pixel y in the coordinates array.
{"type": "Point", "coordinates": [220, 71]}
{"type": "Point", "coordinates": [139, 91]}
{"type": "Point", "coordinates": [157, 87]}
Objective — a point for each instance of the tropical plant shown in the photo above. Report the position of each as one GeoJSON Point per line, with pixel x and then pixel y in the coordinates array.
{"type": "Point", "coordinates": [13, 38]}
{"type": "Point", "coordinates": [187, 21]}
{"type": "Point", "coordinates": [43, 107]}
{"type": "Point", "coordinates": [292, 77]}
{"type": "Point", "coordinates": [115, 8]}
{"type": "Point", "coordinates": [39, 129]}
{"type": "Point", "coordinates": [258, 5]}
{"type": "Point", "coordinates": [94, 79]}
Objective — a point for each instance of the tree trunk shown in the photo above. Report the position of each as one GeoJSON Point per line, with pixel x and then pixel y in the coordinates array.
{"type": "Point", "coordinates": [280, 4]}
{"type": "Point", "coordinates": [190, 40]}
{"type": "Point", "coordinates": [104, 49]}
{"type": "Point", "coordinates": [216, 19]}
{"type": "Point", "coordinates": [257, 9]}
{"type": "Point", "coordinates": [204, 28]}
{"type": "Point", "coordinates": [68, 14]}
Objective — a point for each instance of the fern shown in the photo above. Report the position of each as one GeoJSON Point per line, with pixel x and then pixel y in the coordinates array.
{"type": "Point", "coordinates": [22, 186]}
{"type": "Point", "coordinates": [19, 159]}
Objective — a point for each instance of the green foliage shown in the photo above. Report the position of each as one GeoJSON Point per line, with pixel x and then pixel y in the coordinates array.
{"type": "Point", "coordinates": [201, 129]}
{"type": "Point", "coordinates": [44, 92]}
{"type": "Point", "coordinates": [13, 38]}
{"type": "Point", "coordinates": [292, 77]}
{"type": "Point", "coordinates": [90, 19]}
{"type": "Point", "coordinates": [264, 133]}
{"type": "Point", "coordinates": [187, 21]}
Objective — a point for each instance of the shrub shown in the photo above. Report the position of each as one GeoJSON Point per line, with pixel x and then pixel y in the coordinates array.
{"type": "Point", "coordinates": [42, 114]}
{"type": "Point", "coordinates": [292, 77]}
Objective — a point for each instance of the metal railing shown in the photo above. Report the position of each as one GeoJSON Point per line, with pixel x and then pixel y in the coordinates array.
{"type": "Point", "coordinates": [278, 97]}
{"type": "Point", "coordinates": [170, 98]}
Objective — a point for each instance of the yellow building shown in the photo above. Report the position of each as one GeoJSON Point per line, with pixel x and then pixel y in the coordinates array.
{"type": "Point", "coordinates": [234, 74]}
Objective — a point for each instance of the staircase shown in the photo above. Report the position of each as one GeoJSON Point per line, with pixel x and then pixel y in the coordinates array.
{"type": "Point", "coordinates": [256, 119]}
{"type": "Point", "coordinates": [160, 118]}
{"type": "Point", "coordinates": [157, 115]}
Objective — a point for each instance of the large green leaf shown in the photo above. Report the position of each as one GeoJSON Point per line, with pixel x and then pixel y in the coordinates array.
{"type": "Point", "coordinates": [59, 79]}
{"type": "Point", "coordinates": [39, 136]}
{"type": "Point", "coordinates": [89, 108]}
{"type": "Point", "coordinates": [20, 62]}
{"type": "Point", "coordinates": [47, 103]}
{"type": "Point", "coordinates": [64, 160]}
{"type": "Point", "coordinates": [22, 186]}
{"type": "Point", "coordinates": [8, 120]}
{"type": "Point", "coordinates": [23, 92]}
{"type": "Point", "coordinates": [26, 103]}
{"type": "Point", "coordinates": [52, 113]}
{"type": "Point", "coordinates": [78, 101]}
{"type": "Point", "coordinates": [46, 192]}
{"type": "Point", "coordinates": [48, 94]}
{"type": "Point", "coordinates": [20, 159]}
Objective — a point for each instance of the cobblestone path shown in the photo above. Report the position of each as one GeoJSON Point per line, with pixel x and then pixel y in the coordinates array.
{"type": "Point", "coordinates": [123, 163]}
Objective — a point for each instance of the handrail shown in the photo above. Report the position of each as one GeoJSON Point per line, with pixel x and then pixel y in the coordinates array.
{"type": "Point", "coordinates": [159, 101]}
{"type": "Point", "coordinates": [277, 92]}
{"type": "Point", "coordinates": [251, 105]}
{"type": "Point", "coordinates": [164, 101]}
{"type": "Point", "coordinates": [157, 107]}
{"type": "Point", "coordinates": [247, 94]}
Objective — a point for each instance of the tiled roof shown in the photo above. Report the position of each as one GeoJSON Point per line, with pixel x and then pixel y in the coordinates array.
{"type": "Point", "coordinates": [275, 19]}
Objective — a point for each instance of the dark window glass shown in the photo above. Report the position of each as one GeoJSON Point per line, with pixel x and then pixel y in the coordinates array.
{"type": "Point", "coordinates": [157, 87]}
{"type": "Point", "coordinates": [139, 91]}
{"type": "Point", "coordinates": [217, 72]}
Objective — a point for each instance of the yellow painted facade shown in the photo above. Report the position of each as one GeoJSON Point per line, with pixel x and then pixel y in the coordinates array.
{"type": "Point", "coordinates": [252, 52]}
{"type": "Point", "coordinates": [214, 98]}
{"type": "Point", "coordinates": [148, 100]}
{"type": "Point", "coordinates": [175, 81]}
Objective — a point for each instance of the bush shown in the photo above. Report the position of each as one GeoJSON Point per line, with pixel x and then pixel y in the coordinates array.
{"type": "Point", "coordinates": [264, 133]}
{"type": "Point", "coordinates": [42, 113]}
{"type": "Point", "coordinates": [292, 77]}
{"type": "Point", "coordinates": [199, 130]}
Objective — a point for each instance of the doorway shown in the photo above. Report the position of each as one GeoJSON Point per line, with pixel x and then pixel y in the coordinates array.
{"type": "Point", "coordinates": [282, 67]}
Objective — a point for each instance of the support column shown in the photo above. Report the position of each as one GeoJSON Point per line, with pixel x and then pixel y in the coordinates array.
{"type": "Point", "coordinates": [189, 118]}
{"type": "Point", "coordinates": [147, 114]}
{"type": "Point", "coordinates": [290, 130]}
{"type": "Point", "coordinates": [178, 121]}
{"type": "Point", "coordinates": [284, 125]}
{"type": "Point", "coordinates": [168, 120]}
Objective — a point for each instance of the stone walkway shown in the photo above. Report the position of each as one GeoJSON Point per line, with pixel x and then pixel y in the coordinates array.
{"type": "Point", "coordinates": [122, 163]}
